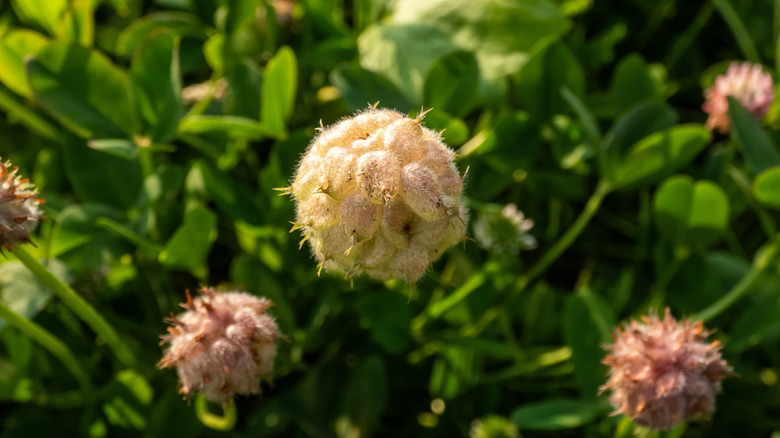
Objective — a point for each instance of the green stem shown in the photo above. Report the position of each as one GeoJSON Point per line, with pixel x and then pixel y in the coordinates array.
{"type": "Point", "coordinates": [657, 295]}
{"type": "Point", "coordinates": [29, 118]}
{"type": "Point", "coordinates": [766, 221]}
{"type": "Point", "coordinates": [129, 235]}
{"type": "Point", "coordinates": [224, 423]}
{"type": "Point", "coordinates": [50, 342]}
{"type": "Point", "coordinates": [602, 190]}
{"type": "Point", "coordinates": [746, 284]}
{"type": "Point", "coordinates": [85, 311]}
{"type": "Point", "coordinates": [686, 39]}
{"type": "Point", "coordinates": [738, 29]}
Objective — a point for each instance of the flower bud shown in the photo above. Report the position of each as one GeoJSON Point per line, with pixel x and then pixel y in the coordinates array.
{"type": "Point", "coordinates": [223, 344]}
{"type": "Point", "coordinates": [664, 372]}
{"type": "Point", "coordinates": [379, 194]}
{"type": "Point", "coordinates": [19, 212]}
{"type": "Point", "coordinates": [747, 83]}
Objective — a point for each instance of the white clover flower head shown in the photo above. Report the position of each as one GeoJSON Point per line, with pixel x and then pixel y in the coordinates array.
{"type": "Point", "coordinates": [664, 372]}
{"type": "Point", "coordinates": [19, 207]}
{"type": "Point", "coordinates": [747, 83]}
{"type": "Point", "coordinates": [505, 233]}
{"type": "Point", "coordinates": [223, 344]}
{"type": "Point", "coordinates": [379, 194]}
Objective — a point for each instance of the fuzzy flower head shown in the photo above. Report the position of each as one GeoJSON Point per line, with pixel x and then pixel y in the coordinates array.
{"type": "Point", "coordinates": [747, 83]}
{"type": "Point", "coordinates": [379, 194]}
{"type": "Point", "coordinates": [19, 212]}
{"type": "Point", "coordinates": [223, 344]}
{"type": "Point", "coordinates": [664, 372]}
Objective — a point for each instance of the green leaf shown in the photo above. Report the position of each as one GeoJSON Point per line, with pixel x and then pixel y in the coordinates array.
{"type": "Point", "coordinates": [364, 399]}
{"type": "Point", "coordinates": [127, 400]}
{"type": "Point", "coordinates": [691, 214]}
{"type": "Point", "coordinates": [512, 143]}
{"type": "Point", "coordinates": [157, 81]}
{"type": "Point", "coordinates": [405, 50]}
{"type": "Point", "coordinates": [21, 291]}
{"type": "Point", "coordinates": [190, 244]}
{"type": "Point", "coordinates": [635, 124]}
{"type": "Point", "coordinates": [388, 317]}
{"type": "Point", "coordinates": [540, 81]}
{"type": "Point", "coordinates": [402, 54]}
{"type": "Point", "coordinates": [244, 84]}
{"type": "Point", "coordinates": [83, 90]}
{"type": "Point", "coordinates": [661, 154]}
{"type": "Point", "coordinates": [738, 29]}
{"type": "Point", "coordinates": [555, 414]}
{"type": "Point", "coordinates": [234, 199]}
{"type": "Point", "coordinates": [757, 324]}
{"type": "Point", "coordinates": [119, 147]}
{"type": "Point", "coordinates": [75, 226]}
{"type": "Point", "coordinates": [451, 84]}
{"type": "Point", "coordinates": [455, 130]}
{"type": "Point", "coordinates": [78, 22]}
{"type": "Point", "coordinates": [213, 50]}
{"type": "Point", "coordinates": [703, 278]}
{"type": "Point", "coordinates": [759, 149]}
{"type": "Point", "coordinates": [109, 180]}
{"type": "Point", "coordinates": [587, 325]}
{"type": "Point", "coordinates": [43, 13]}
{"type": "Point", "coordinates": [360, 88]}
{"type": "Point", "coordinates": [280, 80]}
{"type": "Point", "coordinates": [180, 23]}
{"type": "Point", "coordinates": [632, 82]}
{"type": "Point", "coordinates": [14, 47]}
{"type": "Point", "coordinates": [767, 187]}
{"type": "Point", "coordinates": [236, 127]}
{"type": "Point", "coordinates": [586, 117]}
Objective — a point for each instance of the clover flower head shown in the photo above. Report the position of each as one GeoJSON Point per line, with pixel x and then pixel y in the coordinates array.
{"type": "Point", "coordinates": [19, 207]}
{"type": "Point", "coordinates": [223, 344]}
{"type": "Point", "coordinates": [379, 194]}
{"type": "Point", "coordinates": [747, 83]}
{"type": "Point", "coordinates": [664, 372]}
{"type": "Point", "coordinates": [505, 232]}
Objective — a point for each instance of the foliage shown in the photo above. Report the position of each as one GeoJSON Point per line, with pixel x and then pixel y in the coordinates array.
{"type": "Point", "coordinates": [157, 130]}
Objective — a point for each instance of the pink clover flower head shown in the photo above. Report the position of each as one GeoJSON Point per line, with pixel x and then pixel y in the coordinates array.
{"type": "Point", "coordinates": [747, 83]}
{"type": "Point", "coordinates": [223, 344]}
{"type": "Point", "coordinates": [19, 212]}
{"type": "Point", "coordinates": [664, 372]}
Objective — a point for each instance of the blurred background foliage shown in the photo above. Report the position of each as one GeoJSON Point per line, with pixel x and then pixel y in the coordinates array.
{"type": "Point", "coordinates": [156, 131]}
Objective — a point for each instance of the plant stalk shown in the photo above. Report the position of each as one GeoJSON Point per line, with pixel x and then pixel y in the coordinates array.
{"type": "Point", "coordinates": [602, 190]}
{"type": "Point", "coordinates": [79, 306]}
{"type": "Point", "coordinates": [50, 342]}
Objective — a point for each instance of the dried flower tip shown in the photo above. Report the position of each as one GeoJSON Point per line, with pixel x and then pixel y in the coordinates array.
{"type": "Point", "coordinates": [223, 344]}
{"type": "Point", "coordinates": [19, 207]}
{"type": "Point", "coordinates": [379, 194]}
{"type": "Point", "coordinates": [747, 83]}
{"type": "Point", "coordinates": [664, 372]}
{"type": "Point", "coordinates": [197, 92]}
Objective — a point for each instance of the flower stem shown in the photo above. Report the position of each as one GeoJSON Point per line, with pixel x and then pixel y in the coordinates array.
{"type": "Point", "coordinates": [50, 342]}
{"type": "Point", "coordinates": [225, 423]}
{"type": "Point", "coordinates": [602, 190]}
{"type": "Point", "coordinates": [83, 309]}
{"type": "Point", "coordinates": [29, 118]}
{"type": "Point", "coordinates": [747, 283]}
